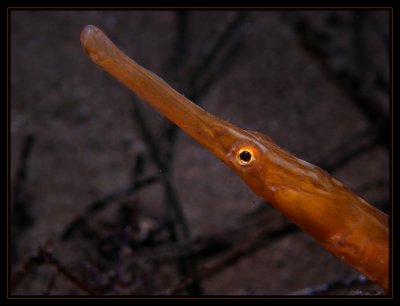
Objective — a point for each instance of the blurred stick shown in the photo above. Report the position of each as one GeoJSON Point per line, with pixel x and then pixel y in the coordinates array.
{"type": "Point", "coordinates": [325, 288]}
{"type": "Point", "coordinates": [181, 46]}
{"type": "Point", "coordinates": [316, 42]}
{"type": "Point", "coordinates": [50, 284]}
{"type": "Point", "coordinates": [212, 62]}
{"type": "Point", "coordinates": [178, 228]}
{"type": "Point", "coordinates": [45, 255]}
{"type": "Point", "coordinates": [348, 151]}
{"type": "Point", "coordinates": [21, 217]}
{"type": "Point", "coordinates": [257, 239]}
{"type": "Point", "coordinates": [99, 204]}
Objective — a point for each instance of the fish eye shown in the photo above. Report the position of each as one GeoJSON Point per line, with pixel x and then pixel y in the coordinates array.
{"type": "Point", "coordinates": [245, 156]}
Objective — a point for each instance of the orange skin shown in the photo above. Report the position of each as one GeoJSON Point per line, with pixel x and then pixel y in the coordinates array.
{"type": "Point", "coordinates": [342, 222]}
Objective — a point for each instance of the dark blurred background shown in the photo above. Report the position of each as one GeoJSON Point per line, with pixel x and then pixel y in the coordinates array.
{"type": "Point", "coordinates": [110, 198]}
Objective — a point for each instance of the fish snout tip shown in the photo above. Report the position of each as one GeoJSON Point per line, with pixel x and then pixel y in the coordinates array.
{"type": "Point", "coordinates": [87, 33]}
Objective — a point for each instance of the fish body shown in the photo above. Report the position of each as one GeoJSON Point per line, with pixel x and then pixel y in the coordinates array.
{"type": "Point", "coordinates": [342, 222]}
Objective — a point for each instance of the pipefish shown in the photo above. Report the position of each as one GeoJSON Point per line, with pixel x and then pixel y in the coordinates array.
{"type": "Point", "coordinates": [342, 222]}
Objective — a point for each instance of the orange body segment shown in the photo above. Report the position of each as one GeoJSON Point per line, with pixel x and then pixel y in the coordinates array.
{"type": "Point", "coordinates": [342, 222]}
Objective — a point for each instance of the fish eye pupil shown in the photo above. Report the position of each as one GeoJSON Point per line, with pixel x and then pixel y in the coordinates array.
{"type": "Point", "coordinates": [245, 156]}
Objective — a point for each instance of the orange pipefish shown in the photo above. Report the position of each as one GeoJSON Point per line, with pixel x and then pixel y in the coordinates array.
{"type": "Point", "coordinates": [345, 224]}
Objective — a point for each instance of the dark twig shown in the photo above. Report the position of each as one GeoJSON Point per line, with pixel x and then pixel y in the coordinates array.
{"type": "Point", "coordinates": [99, 204]}
{"type": "Point", "coordinates": [151, 142]}
{"type": "Point", "coordinates": [219, 44]}
{"type": "Point", "coordinates": [178, 228]}
{"type": "Point", "coordinates": [348, 151]}
{"type": "Point", "coordinates": [257, 239]}
{"type": "Point", "coordinates": [21, 216]}
{"type": "Point", "coordinates": [208, 69]}
{"type": "Point", "coordinates": [45, 255]}
{"type": "Point", "coordinates": [373, 184]}
{"type": "Point", "coordinates": [341, 283]}
{"type": "Point", "coordinates": [316, 41]}
{"type": "Point", "coordinates": [365, 102]}
{"type": "Point", "coordinates": [181, 41]}
{"type": "Point", "coordinates": [222, 65]}
{"type": "Point", "coordinates": [50, 284]}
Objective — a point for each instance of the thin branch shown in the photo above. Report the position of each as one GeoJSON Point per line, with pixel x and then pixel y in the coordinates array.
{"type": "Point", "coordinates": [259, 238]}
{"type": "Point", "coordinates": [207, 70]}
{"type": "Point", "coordinates": [178, 228]}
{"type": "Point", "coordinates": [21, 215]}
{"type": "Point", "coordinates": [341, 283]}
{"type": "Point", "coordinates": [43, 256]}
{"type": "Point", "coordinates": [347, 152]}
{"type": "Point", "coordinates": [99, 204]}
{"type": "Point", "coordinates": [316, 41]}
{"type": "Point", "coordinates": [180, 53]}
{"type": "Point", "coordinates": [230, 27]}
